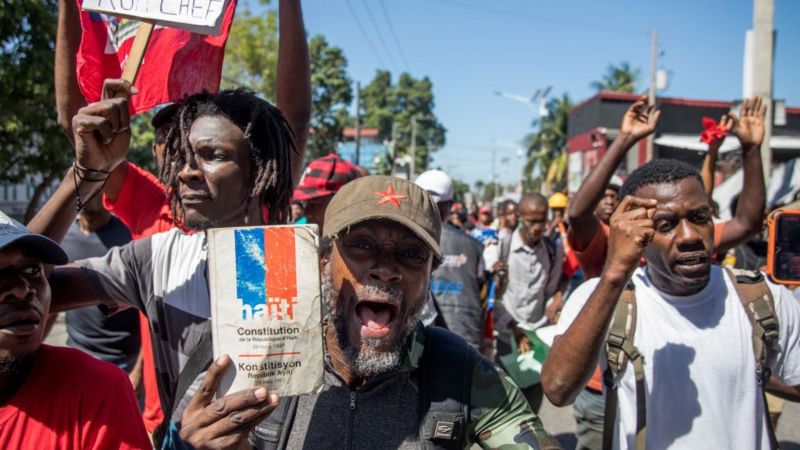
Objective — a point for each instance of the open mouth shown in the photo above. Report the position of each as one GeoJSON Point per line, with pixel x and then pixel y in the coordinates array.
{"type": "Point", "coordinates": [692, 263]}
{"type": "Point", "coordinates": [376, 317]}
{"type": "Point", "coordinates": [21, 323]}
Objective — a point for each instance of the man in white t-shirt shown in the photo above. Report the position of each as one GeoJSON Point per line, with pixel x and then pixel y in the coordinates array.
{"type": "Point", "coordinates": [691, 329]}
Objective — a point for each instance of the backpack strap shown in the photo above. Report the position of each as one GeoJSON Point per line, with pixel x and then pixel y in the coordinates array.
{"type": "Point", "coordinates": [619, 350]}
{"type": "Point", "coordinates": [550, 246]}
{"type": "Point", "coordinates": [273, 432]}
{"type": "Point", "coordinates": [758, 303]}
{"type": "Point", "coordinates": [505, 246]}
{"type": "Point", "coordinates": [445, 387]}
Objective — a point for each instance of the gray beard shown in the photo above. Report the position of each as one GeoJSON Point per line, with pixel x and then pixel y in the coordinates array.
{"type": "Point", "coordinates": [367, 359]}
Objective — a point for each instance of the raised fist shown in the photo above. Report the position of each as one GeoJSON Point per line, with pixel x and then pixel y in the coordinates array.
{"type": "Point", "coordinates": [631, 230]}
{"type": "Point", "coordinates": [102, 130]}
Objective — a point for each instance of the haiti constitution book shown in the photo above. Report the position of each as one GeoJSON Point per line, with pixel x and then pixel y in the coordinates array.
{"type": "Point", "coordinates": [265, 307]}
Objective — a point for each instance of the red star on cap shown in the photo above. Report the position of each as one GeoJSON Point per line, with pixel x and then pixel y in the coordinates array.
{"type": "Point", "coordinates": [390, 197]}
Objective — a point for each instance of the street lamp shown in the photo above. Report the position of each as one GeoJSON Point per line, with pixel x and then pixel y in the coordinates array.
{"type": "Point", "coordinates": [539, 96]}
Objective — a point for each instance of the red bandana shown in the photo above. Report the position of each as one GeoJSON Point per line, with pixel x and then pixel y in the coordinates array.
{"type": "Point", "coordinates": [390, 197]}
{"type": "Point", "coordinates": [714, 132]}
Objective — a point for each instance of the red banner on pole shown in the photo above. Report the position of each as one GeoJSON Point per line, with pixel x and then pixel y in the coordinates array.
{"type": "Point", "coordinates": [177, 63]}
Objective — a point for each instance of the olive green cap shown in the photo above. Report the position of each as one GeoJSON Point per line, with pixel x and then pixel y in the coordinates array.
{"type": "Point", "coordinates": [380, 197]}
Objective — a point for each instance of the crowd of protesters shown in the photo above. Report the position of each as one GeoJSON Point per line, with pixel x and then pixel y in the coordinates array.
{"type": "Point", "coordinates": [437, 316]}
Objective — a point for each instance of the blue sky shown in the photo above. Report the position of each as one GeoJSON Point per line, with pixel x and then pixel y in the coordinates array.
{"type": "Point", "coordinates": [470, 48]}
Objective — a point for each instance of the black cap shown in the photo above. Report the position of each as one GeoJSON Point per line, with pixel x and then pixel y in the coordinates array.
{"type": "Point", "coordinates": [164, 115]}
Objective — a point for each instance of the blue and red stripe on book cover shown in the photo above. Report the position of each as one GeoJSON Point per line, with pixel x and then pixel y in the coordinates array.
{"type": "Point", "coordinates": [266, 270]}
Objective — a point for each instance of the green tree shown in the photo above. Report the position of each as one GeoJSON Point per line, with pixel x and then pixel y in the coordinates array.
{"type": "Point", "coordinates": [142, 137]}
{"type": "Point", "coordinates": [388, 106]}
{"type": "Point", "coordinates": [331, 94]}
{"type": "Point", "coordinates": [251, 58]}
{"type": "Point", "coordinates": [460, 190]}
{"type": "Point", "coordinates": [618, 78]}
{"type": "Point", "coordinates": [494, 189]}
{"type": "Point", "coordinates": [32, 147]}
{"type": "Point", "coordinates": [547, 148]}
{"type": "Point", "coordinates": [251, 54]}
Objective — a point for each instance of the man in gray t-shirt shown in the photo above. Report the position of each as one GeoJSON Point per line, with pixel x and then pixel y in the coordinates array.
{"type": "Point", "coordinates": [231, 166]}
{"type": "Point", "coordinates": [115, 339]}
{"type": "Point", "coordinates": [534, 267]}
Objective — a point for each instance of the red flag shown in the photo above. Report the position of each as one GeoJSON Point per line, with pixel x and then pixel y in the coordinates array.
{"type": "Point", "coordinates": [714, 132]}
{"type": "Point", "coordinates": [177, 63]}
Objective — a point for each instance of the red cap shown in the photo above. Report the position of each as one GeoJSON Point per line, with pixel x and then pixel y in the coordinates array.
{"type": "Point", "coordinates": [486, 209]}
{"type": "Point", "coordinates": [325, 176]}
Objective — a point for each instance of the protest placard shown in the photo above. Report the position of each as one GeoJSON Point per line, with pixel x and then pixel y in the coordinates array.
{"type": "Point", "coordinates": [197, 16]}
{"type": "Point", "coordinates": [265, 307]}
{"type": "Point", "coordinates": [176, 63]}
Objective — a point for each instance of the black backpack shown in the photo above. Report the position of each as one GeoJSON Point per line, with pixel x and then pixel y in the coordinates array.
{"type": "Point", "coordinates": [445, 383]}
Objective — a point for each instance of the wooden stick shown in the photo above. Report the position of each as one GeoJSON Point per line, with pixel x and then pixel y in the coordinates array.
{"type": "Point", "coordinates": [134, 61]}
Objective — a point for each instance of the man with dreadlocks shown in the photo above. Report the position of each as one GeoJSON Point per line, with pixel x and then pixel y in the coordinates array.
{"type": "Point", "coordinates": [135, 195]}
{"type": "Point", "coordinates": [227, 163]}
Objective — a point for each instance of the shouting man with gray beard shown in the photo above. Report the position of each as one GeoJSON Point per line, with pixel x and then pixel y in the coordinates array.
{"type": "Point", "coordinates": [389, 381]}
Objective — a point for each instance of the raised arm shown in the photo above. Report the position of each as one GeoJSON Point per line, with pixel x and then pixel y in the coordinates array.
{"type": "Point", "coordinates": [710, 160]}
{"type": "Point", "coordinates": [71, 289]}
{"type": "Point", "coordinates": [294, 79]}
{"type": "Point", "coordinates": [102, 137]}
{"type": "Point", "coordinates": [573, 357]}
{"type": "Point", "coordinates": [639, 121]}
{"type": "Point", "coordinates": [749, 128]}
{"type": "Point", "coordinates": [68, 38]}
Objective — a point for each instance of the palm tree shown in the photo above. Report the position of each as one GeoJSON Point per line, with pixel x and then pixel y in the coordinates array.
{"type": "Point", "coordinates": [479, 185]}
{"type": "Point", "coordinates": [547, 148]}
{"type": "Point", "coordinates": [621, 78]}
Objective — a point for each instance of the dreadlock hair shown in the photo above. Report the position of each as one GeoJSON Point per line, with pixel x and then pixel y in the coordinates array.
{"type": "Point", "coordinates": [657, 171]}
{"type": "Point", "coordinates": [267, 132]}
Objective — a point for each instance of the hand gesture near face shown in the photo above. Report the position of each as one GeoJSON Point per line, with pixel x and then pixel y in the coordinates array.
{"type": "Point", "coordinates": [226, 422]}
{"type": "Point", "coordinates": [640, 120]}
{"type": "Point", "coordinates": [631, 230]}
{"type": "Point", "coordinates": [102, 130]}
{"type": "Point", "coordinates": [749, 126]}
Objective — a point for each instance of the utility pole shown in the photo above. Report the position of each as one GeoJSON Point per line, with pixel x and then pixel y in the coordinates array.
{"type": "Point", "coordinates": [413, 172]}
{"type": "Point", "coordinates": [414, 119]}
{"type": "Point", "coordinates": [520, 186]}
{"type": "Point", "coordinates": [652, 91]}
{"type": "Point", "coordinates": [494, 174]}
{"type": "Point", "coordinates": [358, 124]}
{"type": "Point", "coordinates": [763, 46]}
{"type": "Point", "coordinates": [393, 142]}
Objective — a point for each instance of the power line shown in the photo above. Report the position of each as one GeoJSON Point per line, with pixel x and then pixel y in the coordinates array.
{"type": "Point", "coordinates": [380, 35]}
{"type": "Point", "coordinates": [364, 34]}
{"type": "Point", "coordinates": [537, 18]}
{"type": "Point", "coordinates": [394, 35]}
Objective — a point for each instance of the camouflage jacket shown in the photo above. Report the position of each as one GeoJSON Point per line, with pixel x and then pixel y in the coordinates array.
{"type": "Point", "coordinates": [384, 412]}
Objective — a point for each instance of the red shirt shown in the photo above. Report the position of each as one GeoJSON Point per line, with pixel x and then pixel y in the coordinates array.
{"type": "Point", "coordinates": [71, 400]}
{"type": "Point", "coordinates": [592, 257]}
{"type": "Point", "coordinates": [143, 206]}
